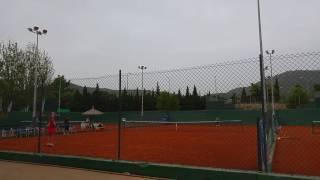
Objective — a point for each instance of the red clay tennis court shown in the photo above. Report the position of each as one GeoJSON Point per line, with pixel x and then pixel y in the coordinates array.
{"type": "Point", "coordinates": [231, 147]}
{"type": "Point", "coordinates": [298, 151]}
{"type": "Point", "coordinates": [212, 146]}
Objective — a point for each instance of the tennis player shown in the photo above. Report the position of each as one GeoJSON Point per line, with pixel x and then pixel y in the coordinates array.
{"type": "Point", "coordinates": [52, 129]}
{"type": "Point", "coordinates": [66, 126]}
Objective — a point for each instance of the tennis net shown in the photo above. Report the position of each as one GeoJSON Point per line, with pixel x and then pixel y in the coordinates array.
{"type": "Point", "coordinates": [185, 125]}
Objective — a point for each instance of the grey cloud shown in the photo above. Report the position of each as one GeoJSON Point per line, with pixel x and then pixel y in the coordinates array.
{"type": "Point", "coordinates": [98, 37]}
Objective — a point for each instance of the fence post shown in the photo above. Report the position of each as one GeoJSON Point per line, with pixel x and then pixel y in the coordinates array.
{"type": "Point", "coordinates": [39, 134]}
{"type": "Point", "coordinates": [40, 119]}
{"type": "Point", "coordinates": [261, 146]}
{"type": "Point", "coordinates": [119, 119]}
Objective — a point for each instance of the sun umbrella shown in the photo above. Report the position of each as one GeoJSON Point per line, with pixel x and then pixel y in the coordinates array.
{"type": "Point", "coordinates": [92, 112]}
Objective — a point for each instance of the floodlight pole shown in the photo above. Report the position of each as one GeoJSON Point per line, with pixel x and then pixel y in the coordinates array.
{"type": "Point", "coordinates": [215, 86]}
{"type": "Point", "coordinates": [35, 81]}
{"type": "Point", "coordinates": [127, 81]}
{"type": "Point", "coordinates": [127, 86]}
{"type": "Point", "coordinates": [38, 32]}
{"type": "Point", "coordinates": [142, 94]}
{"type": "Point", "coordinates": [59, 103]}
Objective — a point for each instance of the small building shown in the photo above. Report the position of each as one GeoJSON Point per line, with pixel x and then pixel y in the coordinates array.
{"type": "Point", "coordinates": [214, 103]}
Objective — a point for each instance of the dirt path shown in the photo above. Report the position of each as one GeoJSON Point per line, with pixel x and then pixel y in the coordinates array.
{"type": "Point", "coordinates": [17, 171]}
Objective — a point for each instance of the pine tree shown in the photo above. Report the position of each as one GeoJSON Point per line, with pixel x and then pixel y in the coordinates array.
{"type": "Point", "coordinates": [85, 91]}
{"type": "Point", "coordinates": [179, 93]}
{"type": "Point", "coordinates": [124, 92]}
{"type": "Point", "coordinates": [234, 98]}
{"type": "Point", "coordinates": [97, 88]}
{"type": "Point", "coordinates": [255, 92]}
{"type": "Point", "coordinates": [194, 92]}
{"type": "Point", "coordinates": [124, 99]}
{"type": "Point", "coordinates": [97, 98]}
{"type": "Point", "coordinates": [158, 89]}
{"type": "Point", "coordinates": [187, 102]}
{"type": "Point", "coordinates": [76, 102]}
{"type": "Point", "coordinates": [195, 99]}
{"type": "Point", "coordinates": [86, 102]}
{"type": "Point", "coordinates": [187, 92]}
{"type": "Point", "coordinates": [243, 96]}
{"type": "Point", "coordinates": [136, 105]}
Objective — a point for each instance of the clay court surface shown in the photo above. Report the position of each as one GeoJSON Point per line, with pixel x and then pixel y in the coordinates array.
{"type": "Point", "coordinates": [298, 151]}
{"type": "Point", "coordinates": [17, 171]}
{"type": "Point", "coordinates": [232, 147]}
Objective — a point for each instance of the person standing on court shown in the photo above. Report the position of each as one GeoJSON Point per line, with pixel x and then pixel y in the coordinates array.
{"type": "Point", "coordinates": [66, 126]}
{"type": "Point", "coordinates": [52, 129]}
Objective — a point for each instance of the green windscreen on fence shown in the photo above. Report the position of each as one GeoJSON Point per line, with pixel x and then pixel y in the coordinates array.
{"type": "Point", "coordinates": [285, 117]}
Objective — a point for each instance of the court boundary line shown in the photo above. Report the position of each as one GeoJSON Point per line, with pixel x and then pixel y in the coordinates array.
{"type": "Point", "coordinates": [182, 122]}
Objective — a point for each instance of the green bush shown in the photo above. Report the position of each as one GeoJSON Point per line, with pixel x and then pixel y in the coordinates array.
{"type": "Point", "coordinates": [297, 97]}
{"type": "Point", "coordinates": [167, 102]}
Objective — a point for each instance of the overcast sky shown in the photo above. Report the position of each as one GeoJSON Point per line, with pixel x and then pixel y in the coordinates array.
{"type": "Point", "coordinates": [98, 37]}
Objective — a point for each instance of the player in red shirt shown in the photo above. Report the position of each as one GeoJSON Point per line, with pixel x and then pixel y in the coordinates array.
{"type": "Point", "coordinates": [52, 128]}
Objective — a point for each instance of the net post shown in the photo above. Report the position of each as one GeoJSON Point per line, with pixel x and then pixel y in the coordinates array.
{"type": "Point", "coordinates": [176, 127]}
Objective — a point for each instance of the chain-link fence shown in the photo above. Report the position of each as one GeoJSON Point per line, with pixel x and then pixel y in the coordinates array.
{"type": "Point", "coordinates": [204, 116]}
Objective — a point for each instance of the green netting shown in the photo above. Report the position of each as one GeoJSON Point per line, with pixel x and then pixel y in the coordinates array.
{"type": "Point", "coordinates": [298, 116]}
{"type": "Point", "coordinates": [284, 117]}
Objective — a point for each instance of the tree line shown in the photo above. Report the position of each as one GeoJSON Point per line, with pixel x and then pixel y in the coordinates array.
{"type": "Point", "coordinates": [80, 99]}
{"type": "Point", "coordinates": [255, 93]}
{"type": "Point", "coordinates": [296, 97]}
{"type": "Point", "coordinates": [17, 75]}
{"type": "Point", "coordinates": [131, 100]}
